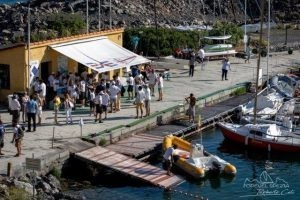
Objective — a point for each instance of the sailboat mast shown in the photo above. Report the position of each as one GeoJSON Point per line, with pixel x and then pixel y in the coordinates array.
{"type": "Point", "coordinates": [269, 19]}
{"type": "Point", "coordinates": [259, 57]}
{"type": "Point", "coordinates": [245, 28]}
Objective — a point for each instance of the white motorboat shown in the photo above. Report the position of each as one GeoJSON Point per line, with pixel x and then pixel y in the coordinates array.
{"type": "Point", "coordinates": [192, 158]}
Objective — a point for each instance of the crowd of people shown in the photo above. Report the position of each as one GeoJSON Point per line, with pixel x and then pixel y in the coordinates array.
{"type": "Point", "coordinates": [63, 92]}
{"type": "Point", "coordinates": [101, 95]}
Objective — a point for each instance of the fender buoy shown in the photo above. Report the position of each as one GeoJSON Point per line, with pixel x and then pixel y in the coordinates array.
{"type": "Point", "coordinates": [246, 141]}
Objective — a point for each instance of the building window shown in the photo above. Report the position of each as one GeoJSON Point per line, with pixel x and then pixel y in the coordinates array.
{"type": "Point", "coordinates": [4, 76]}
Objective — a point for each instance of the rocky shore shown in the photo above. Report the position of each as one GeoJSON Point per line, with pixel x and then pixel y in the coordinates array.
{"type": "Point", "coordinates": [46, 188]}
{"type": "Point", "coordinates": [132, 13]}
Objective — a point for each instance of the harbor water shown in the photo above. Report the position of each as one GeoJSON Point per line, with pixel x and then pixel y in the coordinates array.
{"type": "Point", "coordinates": [11, 1]}
{"type": "Point", "coordinates": [260, 175]}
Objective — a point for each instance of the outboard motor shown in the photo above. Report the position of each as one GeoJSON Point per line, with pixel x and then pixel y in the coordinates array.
{"type": "Point", "coordinates": [196, 150]}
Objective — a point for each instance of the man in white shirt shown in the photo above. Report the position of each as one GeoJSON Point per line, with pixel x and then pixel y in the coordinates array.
{"type": "Point", "coordinates": [42, 92]}
{"type": "Point", "coordinates": [82, 89]}
{"type": "Point", "coordinates": [130, 82]}
{"type": "Point", "coordinates": [152, 81]}
{"type": "Point", "coordinates": [105, 102]}
{"type": "Point", "coordinates": [113, 94]}
{"type": "Point", "coordinates": [201, 55]}
{"type": "Point", "coordinates": [98, 103]}
{"type": "Point", "coordinates": [160, 86]}
{"type": "Point", "coordinates": [15, 108]}
{"type": "Point", "coordinates": [147, 99]}
{"type": "Point", "coordinates": [168, 159]}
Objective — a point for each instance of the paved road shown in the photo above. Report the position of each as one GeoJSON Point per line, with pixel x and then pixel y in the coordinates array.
{"type": "Point", "coordinates": [179, 86]}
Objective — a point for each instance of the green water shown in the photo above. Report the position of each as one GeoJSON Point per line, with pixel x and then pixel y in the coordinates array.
{"type": "Point", "coordinates": [250, 165]}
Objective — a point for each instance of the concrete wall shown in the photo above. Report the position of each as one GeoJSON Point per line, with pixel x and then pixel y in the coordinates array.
{"type": "Point", "coordinates": [15, 58]}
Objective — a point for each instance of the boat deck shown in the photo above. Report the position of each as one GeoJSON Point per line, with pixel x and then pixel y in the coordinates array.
{"type": "Point", "coordinates": [129, 166]}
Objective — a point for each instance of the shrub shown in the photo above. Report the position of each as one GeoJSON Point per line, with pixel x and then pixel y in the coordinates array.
{"type": "Point", "coordinates": [240, 91]}
{"type": "Point", "coordinates": [56, 172]}
{"type": "Point", "coordinates": [18, 194]}
{"type": "Point", "coordinates": [163, 41]}
{"type": "Point", "coordinates": [66, 24]}
{"type": "Point", "coordinates": [102, 142]}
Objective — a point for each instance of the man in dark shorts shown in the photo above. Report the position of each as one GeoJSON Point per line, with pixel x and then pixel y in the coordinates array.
{"type": "Point", "coordinates": [130, 82]}
{"type": "Point", "coordinates": [98, 103]}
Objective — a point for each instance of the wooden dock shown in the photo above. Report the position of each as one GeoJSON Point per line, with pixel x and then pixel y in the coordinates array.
{"type": "Point", "coordinates": [137, 145]}
{"type": "Point", "coordinates": [129, 166]}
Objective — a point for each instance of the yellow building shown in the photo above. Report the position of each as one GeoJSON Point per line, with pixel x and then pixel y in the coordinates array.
{"type": "Point", "coordinates": [74, 54]}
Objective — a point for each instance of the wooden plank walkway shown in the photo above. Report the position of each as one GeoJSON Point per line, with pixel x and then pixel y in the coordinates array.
{"type": "Point", "coordinates": [136, 145]}
{"type": "Point", "coordinates": [141, 145]}
{"type": "Point", "coordinates": [129, 166]}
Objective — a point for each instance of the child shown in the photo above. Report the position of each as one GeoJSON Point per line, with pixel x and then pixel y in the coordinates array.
{"type": "Point", "coordinates": [56, 104]}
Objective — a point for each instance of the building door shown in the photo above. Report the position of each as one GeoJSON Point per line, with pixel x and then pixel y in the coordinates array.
{"type": "Point", "coordinates": [45, 71]}
{"type": "Point", "coordinates": [81, 68]}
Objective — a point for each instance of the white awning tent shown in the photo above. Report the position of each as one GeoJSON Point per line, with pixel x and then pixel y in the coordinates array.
{"type": "Point", "coordinates": [99, 54]}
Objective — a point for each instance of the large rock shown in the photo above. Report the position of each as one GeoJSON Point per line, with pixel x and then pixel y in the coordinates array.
{"type": "Point", "coordinates": [26, 186]}
{"type": "Point", "coordinates": [53, 181]}
{"type": "Point", "coordinates": [4, 192]}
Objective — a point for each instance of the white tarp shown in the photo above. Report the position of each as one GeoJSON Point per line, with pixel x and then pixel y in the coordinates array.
{"type": "Point", "coordinates": [99, 54]}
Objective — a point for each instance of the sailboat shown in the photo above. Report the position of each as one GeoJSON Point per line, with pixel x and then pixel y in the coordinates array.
{"type": "Point", "coordinates": [270, 137]}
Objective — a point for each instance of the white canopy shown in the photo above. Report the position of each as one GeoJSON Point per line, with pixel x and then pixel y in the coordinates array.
{"type": "Point", "coordinates": [99, 54]}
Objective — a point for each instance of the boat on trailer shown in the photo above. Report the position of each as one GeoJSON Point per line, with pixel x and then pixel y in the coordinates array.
{"type": "Point", "coordinates": [191, 158]}
{"type": "Point", "coordinates": [212, 50]}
